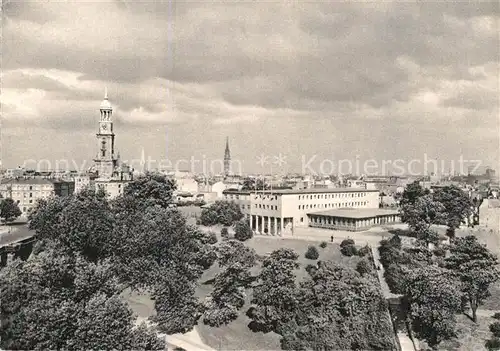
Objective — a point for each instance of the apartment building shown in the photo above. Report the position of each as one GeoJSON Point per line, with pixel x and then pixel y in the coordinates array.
{"type": "Point", "coordinates": [25, 191]}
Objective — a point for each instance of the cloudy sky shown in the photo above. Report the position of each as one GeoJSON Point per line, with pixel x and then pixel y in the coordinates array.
{"type": "Point", "coordinates": [326, 79]}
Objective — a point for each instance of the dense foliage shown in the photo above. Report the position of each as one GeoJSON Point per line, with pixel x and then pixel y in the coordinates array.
{"type": "Point", "coordinates": [433, 303]}
{"type": "Point", "coordinates": [274, 296]}
{"type": "Point", "coordinates": [312, 253]}
{"type": "Point", "coordinates": [476, 267]}
{"type": "Point", "coordinates": [242, 230]}
{"type": "Point", "coordinates": [339, 309]}
{"type": "Point", "coordinates": [221, 212]}
{"type": "Point", "coordinates": [142, 242]}
{"type": "Point", "coordinates": [9, 210]}
{"type": "Point", "coordinates": [56, 301]}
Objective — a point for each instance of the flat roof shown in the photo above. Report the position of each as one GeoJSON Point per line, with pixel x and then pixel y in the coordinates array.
{"type": "Point", "coordinates": [301, 191]}
{"type": "Point", "coordinates": [355, 212]}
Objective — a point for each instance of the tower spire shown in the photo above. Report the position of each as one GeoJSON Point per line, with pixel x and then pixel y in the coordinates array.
{"type": "Point", "coordinates": [105, 93]}
{"type": "Point", "coordinates": [227, 158]}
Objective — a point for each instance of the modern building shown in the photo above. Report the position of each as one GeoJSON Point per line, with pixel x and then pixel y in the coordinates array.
{"type": "Point", "coordinates": [278, 212]}
{"type": "Point", "coordinates": [25, 191]}
{"type": "Point", "coordinates": [112, 175]}
{"type": "Point", "coordinates": [353, 219]}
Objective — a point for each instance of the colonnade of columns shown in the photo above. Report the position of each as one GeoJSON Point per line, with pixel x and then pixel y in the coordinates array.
{"type": "Point", "coordinates": [350, 223]}
{"type": "Point", "coordinates": [268, 225]}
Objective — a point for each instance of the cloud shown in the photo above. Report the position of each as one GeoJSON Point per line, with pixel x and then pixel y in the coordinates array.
{"type": "Point", "coordinates": [214, 67]}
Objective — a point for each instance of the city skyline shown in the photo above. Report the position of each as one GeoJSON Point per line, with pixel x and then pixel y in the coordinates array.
{"type": "Point", "coordinates": [337, 83]}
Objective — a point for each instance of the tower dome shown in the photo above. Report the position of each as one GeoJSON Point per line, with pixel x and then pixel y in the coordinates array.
{"type": "Point", "coordinates": [105, 104]}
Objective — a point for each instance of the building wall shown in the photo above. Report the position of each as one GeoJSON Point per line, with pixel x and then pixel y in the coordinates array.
{"type": "Point", "coordinates": [26, 192]}
{"type": "Point", "coordinates": [294, 207]}
{"type": "Point", "coordinates": [113, 189]}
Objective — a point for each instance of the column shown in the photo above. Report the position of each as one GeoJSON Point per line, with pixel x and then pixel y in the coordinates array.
{"type": "Point", "coordinates": [275, 231]}
{"type": "Point", "coordinates": [257, 227]}
{"type": "Point", "coordinates": [281, 225]}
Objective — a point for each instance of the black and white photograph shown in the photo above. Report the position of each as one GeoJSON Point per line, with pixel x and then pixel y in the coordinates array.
{"type": "Point", "coordinates": [254, 175]}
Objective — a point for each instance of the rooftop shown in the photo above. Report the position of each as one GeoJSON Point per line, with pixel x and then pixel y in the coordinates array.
{"type": "Point", "coordinates": [35, 180]}
{"type": "Point", "coordinates": [301, 191]}
{"type": "Point", "coordinates": [356, 212]}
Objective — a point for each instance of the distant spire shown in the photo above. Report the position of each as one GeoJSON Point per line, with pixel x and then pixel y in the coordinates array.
{"type": "Point", "coordinates": [105, 93]}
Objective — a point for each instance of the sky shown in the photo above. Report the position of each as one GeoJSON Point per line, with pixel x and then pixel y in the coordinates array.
{"type": "Point", "coordinates": [295, 86]}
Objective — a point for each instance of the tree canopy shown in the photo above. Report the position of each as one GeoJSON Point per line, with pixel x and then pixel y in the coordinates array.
{"type": "Point", "coordinates": [221, 212]}
{"type": "Point", "coordinates": [476, 267]}
{"type": "Point", "coordinates": [433, 299]}
{"type": "Point", "coordinates": [143, 243]}
{"type": "Point", "coordinates": [9, 210]}
{"type": "Point", "coordinates": [457, 207]}
{"type": "Point", "coordinates": [57, 301]}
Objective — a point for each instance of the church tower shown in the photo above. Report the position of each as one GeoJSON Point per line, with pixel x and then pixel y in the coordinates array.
{"type": "Point", "coordinates": [106, 160]}
{"type": "Point", "coordinates": [227, 159]}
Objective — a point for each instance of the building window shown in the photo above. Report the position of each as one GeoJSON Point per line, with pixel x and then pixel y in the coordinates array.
{"type": "Point", "coordinates": [301, 219]}
{"type": "Point", "coordinates": [31, 187]}
{"type": "Point", "coordinates": [31, 201]}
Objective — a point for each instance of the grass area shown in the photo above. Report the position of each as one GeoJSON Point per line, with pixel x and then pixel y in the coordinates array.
{"type": "Point", "coordinates": [470, 336]}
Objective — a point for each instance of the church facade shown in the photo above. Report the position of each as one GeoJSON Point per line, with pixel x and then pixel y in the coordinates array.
{"type": "Point", "coordinates": [112, 174]}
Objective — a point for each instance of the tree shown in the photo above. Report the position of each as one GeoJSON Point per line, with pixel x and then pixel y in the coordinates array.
{"type": "Point", "coordinates": [254, 184]}
{"type": "Point", "coordinates": [233, 251]}
{"type": "Point", "coordinates": [80, 223]}
{"type": "Point", "coordinates": [151, 189]}
{"type": "Point", "coordinates": [457, 207]}
{"type": "Point", "coordinates": [242, 230]}
{"type": "Point", "coordinates": [274, 295]}
{"type": "Point", "coordinates": [149, 247]}
{"type": "Point", "coordinates": [323, 244]}
{"type": "Point", "coordinates": [433, 301]}
{"type": "Point", "coordinates": [412, 192]}
{"type": "Point", "coordinates": [221, 212]}
{"type": "Point", "coordinates": [476, 268]}
{"type": "Point", "coordinates": [228, 295]}
{"type": "Point", "coordinates": [312, 253]}
{"type": "Point", "coordinates": [78, 302]}
{"type": "Point", "coordinates": [421, 213]}
{"type": "Point", "coordinates": [339, 309]}
{"type": "Point", "coordinates": [9, 210]}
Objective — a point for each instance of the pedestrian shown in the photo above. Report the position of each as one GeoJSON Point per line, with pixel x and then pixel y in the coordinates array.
{"type": "Point", "coordinates": [331, 238]}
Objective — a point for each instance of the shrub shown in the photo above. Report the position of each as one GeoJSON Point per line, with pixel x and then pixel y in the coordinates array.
{"type": "Point", "coordinates": [310, 268]}
{"type": "Point", "coordinates": [224, 233]}
{"type": "Point", "coordinates": [495, 329]}
{"type": "Point", "coordinates": [395, 277]}
{"type": "Point", "coordinates": [496, 315]}
{"type": "Point", "coordinates": [439, 252]}
{"type": "Point", "coordinates": [363, 267]}
{"type": "Point", "coordinates": [312, 253]}
{"type": "Point", "coordinates": [212, 238]}
{"type": "Point", "coordinates": [347, 242]}
{"type": "Point", "coordinates": [323, 244]}
{"type": "Point", "coordinates": [349, 250]}
{"type": "Point", "coordinates": [493, 344]}
{"type": "Point", "coordinates": [242, 230]}
{"type": "Point", "coordinates": [364, 251]}
{"type": "Point", "coordinates": [395, 241]}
